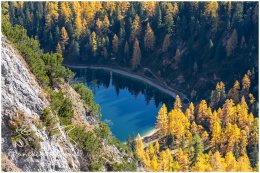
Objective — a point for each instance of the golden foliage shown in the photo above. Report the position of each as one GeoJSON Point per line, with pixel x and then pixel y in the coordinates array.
{"type": "Point", "coordinates": [214, 141]}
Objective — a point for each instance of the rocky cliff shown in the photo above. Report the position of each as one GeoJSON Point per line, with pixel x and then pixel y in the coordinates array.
{"type": "Point", "coordinates": [26, 144]}
{"type": "Point", "coordinates": [21, 94]}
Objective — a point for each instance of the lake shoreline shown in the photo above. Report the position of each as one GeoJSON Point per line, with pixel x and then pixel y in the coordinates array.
{"type": "Point", "coordinates": [155, 83]}
{"type": "Point", "coordinates": [149, 133]}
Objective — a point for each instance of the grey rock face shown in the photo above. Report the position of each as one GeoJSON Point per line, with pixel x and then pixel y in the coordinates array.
{"type": "Point", "coordinates": [20, 92]}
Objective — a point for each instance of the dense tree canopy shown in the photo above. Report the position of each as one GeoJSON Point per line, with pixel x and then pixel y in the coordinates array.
{"type": "Point", "coordinates": [194, 39]}
{"type": "Point", "coordinates": [222, 140]}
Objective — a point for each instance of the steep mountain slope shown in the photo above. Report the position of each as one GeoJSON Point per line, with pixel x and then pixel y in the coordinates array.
{"type": "Point", "coordinates": [26, 142]}
{"type": "Point", "coordinates": [21, 95]}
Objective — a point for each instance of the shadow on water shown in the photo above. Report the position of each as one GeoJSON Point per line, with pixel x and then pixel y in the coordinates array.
{"type": "Point", "coordinates": [129, 104]}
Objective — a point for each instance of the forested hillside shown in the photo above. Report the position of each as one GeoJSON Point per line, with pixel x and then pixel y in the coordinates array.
{"type": "Point", "coordinates": [47, 124]}
{"type": "Point", "coordinates": [206, 137]}
{"type": "Point", "coordinates": [207, 49]}
{"type": "Point", "coordinates": [190, 45]}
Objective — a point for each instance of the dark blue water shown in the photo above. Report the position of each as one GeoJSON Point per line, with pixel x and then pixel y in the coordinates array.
{"type": "Point", "coordinates": [128, 105]}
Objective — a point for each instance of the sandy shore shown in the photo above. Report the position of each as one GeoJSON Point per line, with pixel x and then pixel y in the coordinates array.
{"type": "Point", "coordinates": [149, 133]}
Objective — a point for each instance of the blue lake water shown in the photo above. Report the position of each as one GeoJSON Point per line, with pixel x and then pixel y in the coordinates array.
{"type": "Point", "coordinates": [129, 106]}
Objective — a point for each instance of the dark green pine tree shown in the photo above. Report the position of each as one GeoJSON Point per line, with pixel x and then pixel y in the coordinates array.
{"type": "Point", "coordinates": [198, 147]}
{"type": "Point", "coordinates": [158, 16]}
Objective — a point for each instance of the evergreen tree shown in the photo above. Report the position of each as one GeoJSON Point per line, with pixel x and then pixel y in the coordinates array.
{"type": "Point", "coordinates": [64, 38]}
{"type": "Point", "coordinates": [198, 148]}
{"type": "Point", "coordinates": [115, 44]}
{"type": "Point", "coordinates": [94, 43]}
{"type": "Point", "coordinates": [126, 52]}
{"type": "Point", "coordinates": [136, 28]}
{"type": "Point", "coordinates": [136, 56]}
{"type": "Point", "coordinates": [149, 38]}
{"type": "Point", "coordinates": [166, 43]}
{"type": "Point", "coordinates": [232, 43]}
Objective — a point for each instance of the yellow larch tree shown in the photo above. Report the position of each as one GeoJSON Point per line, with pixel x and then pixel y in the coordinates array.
{"type": "Point", "coordinates": [254, 132]}
{"type": "Point", "coordinates": [135, 28]}
{"type": "Point", "coordinates": [251, 98]}
{"type": "Point", "coordinates": [211, 8]}
{"type": "Point", "coordinates": [245, 85]}
{"type": "Point", "coordinates": [94, 43]}
{"type": "Point", "coordinates": [139, 148]}
{"type": "Point", "coordinates": [202, 112]}
{"type": "Point", "coordinates": [177, 103]}
{"type": "Point", "coordinates": [115, 44]}
{"type": "Point", "coordinates": [162, 121]}
{"type": "Point", "coordinates": [124, 6]}
{"type": "Point", "coordinates": [149, 7]}
{"type": "Point", "coordinates": [243, 164]}
{"type": "Point", "coordinates": [163, 161]}
{"type": "Point", "coordinates": [214, 118]}
{"type": "Point", "coordinates": [110, 6]}
{"type": "Point", "coordinates": [137, 54]}
{"type": "Point", "coordinates": [216, 136]}
{"type": "Point", "coordinates": [52, 9]}
{"type": "Point", "coordinates": [194, 128]}
{"type": "Point", "coordinates": [243, 142]}
{"type": "Point", "coordinates": [230, 136]}
{"type": "Point", "coordinates": [182, 159]}
{"type": "Point", "coordinates": [99, 25]}
{"type": "Point", "coordinates": [216, 162]}
{"type": "Point", "coordinates": [156, 147]}
{"type": "Point", "coordinates": [65, 11]}
{"type": "Point", "coordinates": [58, 49]}
{"type": "Point", "coordinates": [147, 160]}
{"type": "Point", "coordinates": [229, 112]}
{"type": "Point", "coordinates": [78, 25]}
{"type": "Point", "coordinates": [203, 164]}
{"type": "Point", "coordinates": [154, 164]}
{"type": "Point", "coordinates": [149, 38]}
{"type": "Point", "coordinates": [190, 112]}
{"type": "Point", "coordinates": [178, 124]}
{"type": "Point", "coordinates": [220, 113]}
{"type": "Point", "coordinates": [242, 111]}
{"type": "Point", "coordinates": [230, 162]}
{"type": "Point", "coordinates": [172, 165]}
{"type": "Point", "coordinates": [64, 38]}
{"type": "Point", "coordinates": [151, 150]}
{"type": "Point", "coordinates": [234, 92]}
{"type": "Point", "coordinates": [205, 137]}
{"type": "Point", "coordinates": [106, 23]}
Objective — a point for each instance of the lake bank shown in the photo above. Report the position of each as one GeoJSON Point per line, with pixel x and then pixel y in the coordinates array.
{"type": "Point", "coordinates": [155, 83]}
